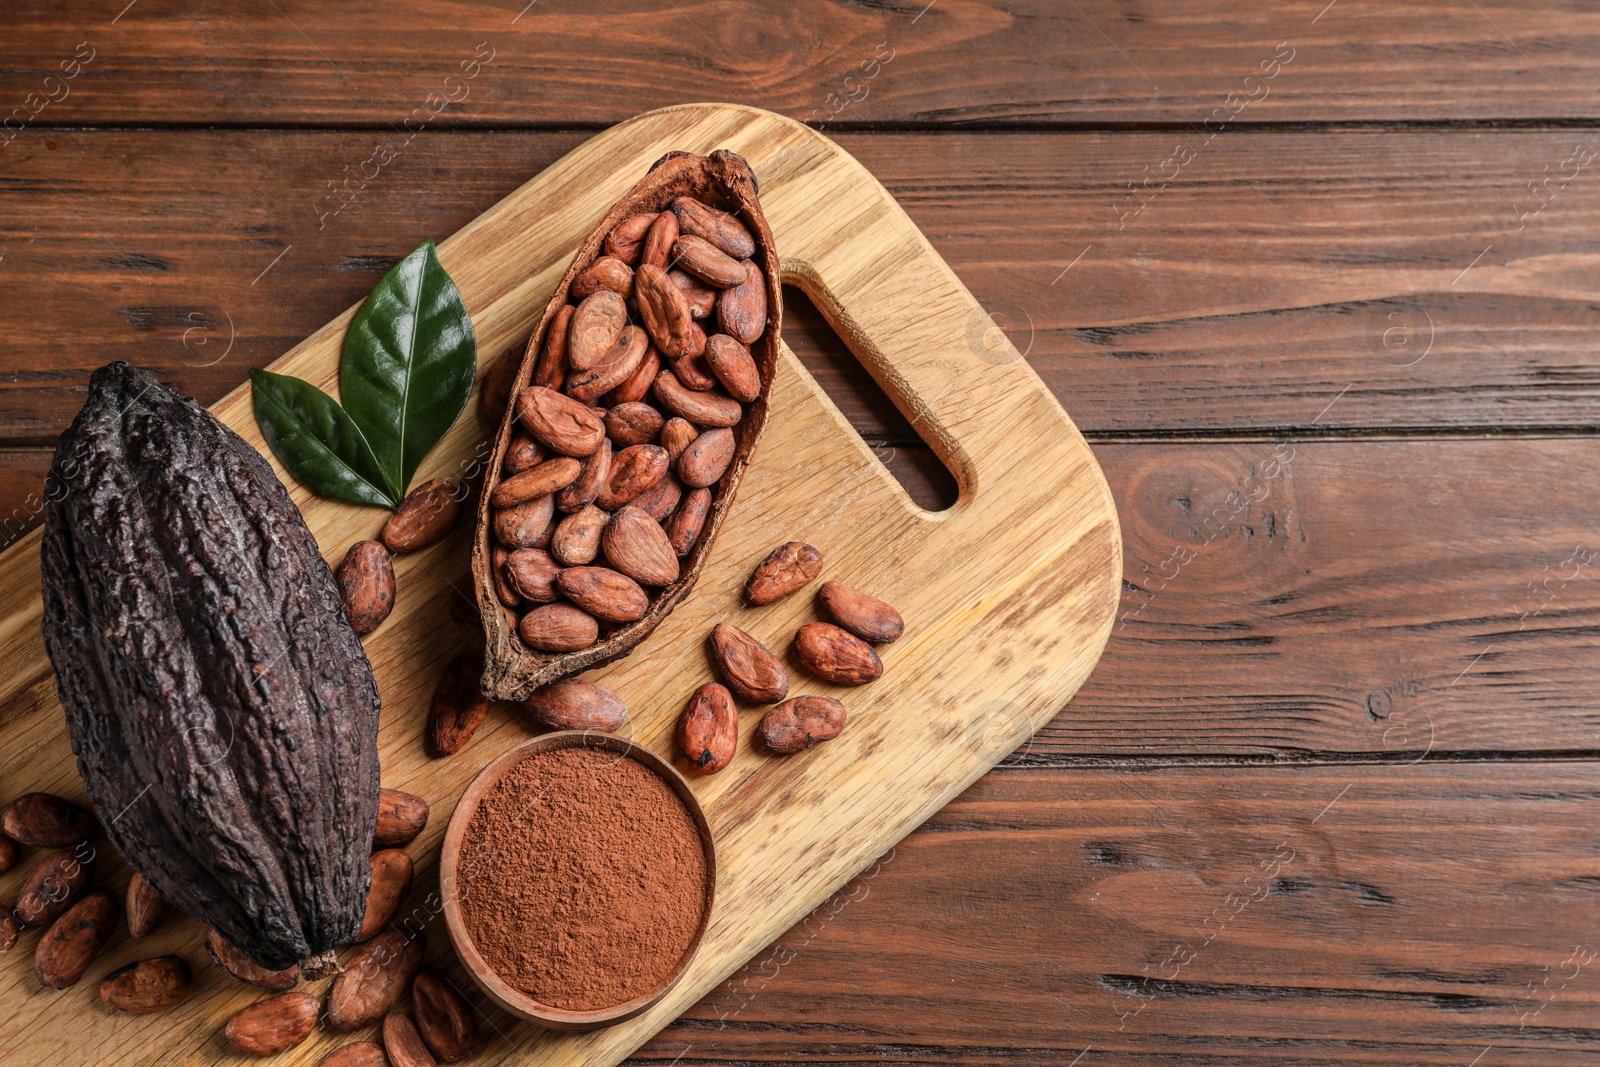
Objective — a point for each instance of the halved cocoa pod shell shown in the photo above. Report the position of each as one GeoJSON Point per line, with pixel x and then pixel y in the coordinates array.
{"type": "Point", "coordinates": [723, 180]}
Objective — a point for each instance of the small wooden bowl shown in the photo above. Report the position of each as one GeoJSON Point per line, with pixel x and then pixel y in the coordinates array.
{"type": "Point", "coordinates": [514, 1000]}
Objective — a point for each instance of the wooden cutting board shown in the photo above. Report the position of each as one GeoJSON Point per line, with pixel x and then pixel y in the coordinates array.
{"type": "Point", "coordinates": [1008, 596]}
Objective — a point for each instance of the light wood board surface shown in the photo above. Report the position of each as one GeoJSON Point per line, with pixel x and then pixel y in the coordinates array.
{"type": "Point", "coordinates": [1008, 596]}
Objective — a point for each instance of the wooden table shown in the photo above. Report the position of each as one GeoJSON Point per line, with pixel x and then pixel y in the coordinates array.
{"type": "Point", "coordinates": [1318, 281]}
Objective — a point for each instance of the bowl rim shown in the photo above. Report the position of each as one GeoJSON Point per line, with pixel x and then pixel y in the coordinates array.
{"type": "Point", "coordinates": [497, 989]}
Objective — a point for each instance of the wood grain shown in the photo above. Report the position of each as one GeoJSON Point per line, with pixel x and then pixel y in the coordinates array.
{"type": "Point", "coordinates": [954, 62]}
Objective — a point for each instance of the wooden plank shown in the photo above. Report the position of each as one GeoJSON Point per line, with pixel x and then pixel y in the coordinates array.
{"type": "Point", "coordinates": [1349, 915]}
{"type": "Point", "coordinates": [1035, 537]}
{"type": "Point", "coordinates": [1209, 312]}
{"type": "Point", "coordinates": [959, 61]}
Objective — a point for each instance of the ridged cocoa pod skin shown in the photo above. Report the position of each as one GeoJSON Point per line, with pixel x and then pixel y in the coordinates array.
{"type": "Point", "coordinates": [796, 725]}
{"type": "Point", "coordinates": [426, 514]}
{"type": "Point", "coordinates": [571, 704]}
{"type": "Point", "coordinates": [44, 820]}
{"type": "Point", "coordinates": [401, 817]}
{"type": "Point", "coordinates": [787, 568]}
{"type": "Point", "coordinates": [147, 986]}
{"type": "Point", "coordinates": [708, 729]}
{"type": "Point", "coordinates": [66, 949]}
{"type": "Point", "coordinates": [274, 1025]}
{"type": "Point", "coordinates": [404, 1044]}
{"type": "Point", "coordinates": [52, 886]}
{"type": "Point", "coordinates": [835, 655]}
{"type": "Point", "coordinates": [391, 880]}
{"type": "Point", "coordinates": [867, 617]}
{"type": "Point", "coordinates": [360, 1054]}
{"type": "Point", "coordinates": [746, 665]}
{"type": "Point", "coordinates": [230, 960]}
{"type": "Point", "coordinates": [143, 906]}
{"type": "Point", "coordinates": [373, 979]}
{"type": "Point", "coordinates": [366, 582]}
{"type": "Point", "coordinates": [444, 1019]}
{"type": "Point", "coordinates": [459, 706]}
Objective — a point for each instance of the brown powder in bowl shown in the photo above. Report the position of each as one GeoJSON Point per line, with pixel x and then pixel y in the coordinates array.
{"type": "Point", "coordinates": [582, 878]}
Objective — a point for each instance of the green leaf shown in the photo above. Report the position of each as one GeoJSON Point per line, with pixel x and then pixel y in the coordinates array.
{"type": "Point", "coordinates": [317, 441]}
{"type": "Point", "coordinates": [408, 364]}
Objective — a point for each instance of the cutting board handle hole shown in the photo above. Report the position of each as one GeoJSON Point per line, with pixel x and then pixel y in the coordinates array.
{"type": "Point", "coordinates": [881, 424]}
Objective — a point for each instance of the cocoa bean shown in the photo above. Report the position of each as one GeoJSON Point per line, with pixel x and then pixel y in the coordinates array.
{"type": "Point", "coordinates": [867, 617]}
{"type": "Point", "coordinates": [558, 628]}
{"type": "Point", "coordinates": [734, 367]}
{"type": "Point", "coordinates": [708, 729]}
{"type": "Point", "coordinates": [532, 573]}
{"type": "Point", "coordinates": [836, 656]}
{"type": "Point", "coordinates": [571, 704]}
{"type": "Point", "coordinates": [633, 470]}
{"type": "Point", "coordinates": [147, 986]}
{"type": "Point", "coordinates": [401, 817]}
{"type": "Point", "coordinates": [44, 820]}
{"type": "Point", "coordinates": [494, 388]}
{"type": "Point", "coordinates": [664, 310]}
{"type": "Point", "coordinates": [597, 322]}
{"type": "Point", "coordinates": [504, 591]}
{"type": "Point", "coordinates": [444, 1019]}
{"type": "Point", "coordinates": [9, 853]}
{"type": "Point", "coordinates": [706, 261]}
{"type": "Point", "coordinates": [373, 979]}
{"type": "Point", "coordinates": [523, 453]}
{"type": "Point", "coordinates": [543, 480]}
{"type": "Point", "coordinates": [577, 537]}
{"type": "Point", "coordinates": [720, 228]}
{"type": "Point", "coordinates": [683, 529]}
{"type": "Point", "coordinates": [144, 907]}
{"type": "Point", "coordinates": [226, 957]}
{"type": "Point", "coordinates": [54, 885]}
{"type": "Point", "coordinates": [695, 373]}
{"type": "Point", "coordinates": [637, 546]}
{"type": "Point", "coordinates": [525, 525]}
{"type": "Point", "coordinates": [707, 458]}
{"type": "Point", "coordinates": [559, 422]}
{"type": "Point", "coordinates": [701, 297]}
{"type": "Point", "coordinates": [403, 1044]}
{"type": "Point", "coordinates": [659, 240]}
{"type": "Point", "coordinates": [391, 880]}
{"type": "Point", "coordinates": [633, 424]}
{"type": "Point", "coordinates": [359, 1054]}
{"type": "Point", "coordinates": [582, 492]}
{"type": "Point", "coordinates": [366, 585]}
{"type": "Point", "coordinates": [551, 369]}
{"type": "Point", "coordinates": [745, 664]}
{"type": "Point", "coordinates": [637, 386]}
{"type": "Point", "coordinates": [274, 1025]}
{"type": "Point", "coordinates": [787, 568]}
{"type": "Point", "coordinates": [626, 239]}
{"type": "Point", "coordinates": [10, 929]}
{"type": "Point", "coordinates": [711, 408]}
{"type": "Point", "coordinates": [796, 725]}
{"type": "Point", "coordinates": [660, 499]}
{"type": "Point", "coordinates": [459, 706]}
{"type": "Point", "coordinates": [742, 310]}
{"type": "Point", "coordinates": [603, 593]}
{"type": "Point", "coordinates": [607, 272]}
{"type": "Point", "coordinates": [614, 366]}
{"type": "Point", "coordinates": [676, 434]}
{"type": "Point", "coordinates": [66, 949]}
{"type": "Point", "coordinates": [426, 514]}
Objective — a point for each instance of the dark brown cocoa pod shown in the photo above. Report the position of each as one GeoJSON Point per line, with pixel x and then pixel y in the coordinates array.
{"type": "Point", "coordinates": [404, 1044]}
{"type": "Point", "coordinates": [867, 617]}
{"type": "Point", "coordinates": [359, 1054]}
{"type": "Point", "coordinates": [401, 817]}
{"type": "Point", "coordinates": [571, 704]}
{"type": "Point", "coordinates": [426, 515]}
{"type": "Point", "coordinates": [366, 584]}
{"type": "Point", "coordinates": [458, 707]}
{"type": "Point", "coordinates": [55, 884]}
{"type": "Point", "coordinates": [789, 567]}
{"type": "Point", "coordinates": [44, 820]}
{"type": "Point", "coordinates": [444, 1018]}
{"type": "Point", "coordinates": [147, 986]}
{"type": "Point", "coordinates": [550, 371]}
{"type": "Point", "coordinates": [708, 729]}
{"type": "Point", "coordinates": [626, 239]}
{"type": "Point", "coordinates": [373, 979]}
{"type": "Point", "coordinates": [274, 1025]}
{"type": "Point", "coordinates": [746, 665]}
{"type": "Point", "coordinates": [836, 656]}
{"type": "Point", "coordinates": [66, 949]}
{"type": "Point", "coordinates": [225, 957]}
{"type": "Point", "coordinates": [143, 907]}
{"type": "Point", "coordinates": [796, 725]}
{"type": "Point", "coordinates": [683, 529]}
{"type": "Point", "coordinates": [559, 628]}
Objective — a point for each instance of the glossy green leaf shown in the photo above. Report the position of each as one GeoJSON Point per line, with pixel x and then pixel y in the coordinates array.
{"type": "Point", "coordinates": [409, 360]}
{"type": "Point", "coordinates": [317, 441]}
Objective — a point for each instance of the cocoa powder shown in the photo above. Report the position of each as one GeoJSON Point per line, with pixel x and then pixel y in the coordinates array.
{"type": "Point", "coordinates": [583, 878]}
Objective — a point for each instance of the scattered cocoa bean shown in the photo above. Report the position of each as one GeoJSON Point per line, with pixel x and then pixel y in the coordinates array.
{"type": "Point", "coordinates": [55, 884]}
{"type": "Point", "coordinates": [366, 585]}
{"type": "Point", "coordinates": [144, 907]}
{"type": "Point", "coordinates": [597, 322]}
{"type": "Point", "coordinates": [359, 1054]}
{"type": "Point", "coordinates": [659, 240]}
{"type": "Point", "coordinates": [867, 617]}
{"type": "Point", "coordinates": [787, 568]}
{"type": "Point", "coordinates": [525, 525]}
{"type": "Point", "coordinates": [523, 453]}
{"type": "Point", "coordinates": [577, 537]}
{"type": "Point", "coordinates": [676, 434]}
{"type": "Point", "coordinates": [404, 1045]}
{"type": "Point", "coordinates": [661, 499]}
{"type": "Point", "coordinates": [835, 655]}
{"type": "Point", "coordinates": [742, 310]}
{"type": "Point", "coordinates": [607, 272]}
{"type": "Point", "coordinates": [401, 817]}
{"type": "Point", "coordinates": [373, 979]}
{"type": "Point", "coordinates": [706, 261]}
{"type": "Point", "coordinates": [550, 371]}
{"type": "Point", "coordinates": [633, 470]}
{"type": "Point", "coordinates": [426, 514]}
{"type": "Point", "coordinates": [559, 422]}
{"type": "Point", "coordinates": [532, 573]}
{"type": "Point", "coordinates": [683, 529]}
{"type": "Point", "coordinates": [708, 729]}
{"type": "Point", "coordinates": [796, 725]}
{"type": "Point", "coordinates": [391, 880]}
{"type": "Point", "coordinates": [444, 1019]}
{"type": "Point", "coordinates": [720, 228]}
{"type": "Point", "coordinates": [626, 239]}
{"type": "Point", "coordinates": [633, 424]}
{"type": "Point", "coordinates": [603, 593]}
{"type": "Point", "coordinates": [637, 546]}
{"type": "Point", "coordinates": [571, 704]}
{"type": "Point", "coordinates": [543, 480]}
{"type": "Point", "coordinates": [707, 458]}
{"type": "Point", "coordinates": [44, 820]}
{"type": "Point", "coordinates": [10, 929]}
{"type": "Point", "coordinates": [664, 310]}
{"type": "Point", "coordinates": [709, 408]}
{"type": "Point", "coordinates": [66, 949]}
{"type": "Point", "coordinates": [228, 958]}
{"type": "Point", "coordinates": [558, 628]}
{"type": "Point", "coordinates": [734, 367]}
{"type": "Point", "coordinates": [147, 986]}
{"type": "Point", "coordinates": [586, 487]}
{"type": "Point", "coordinates": [615, 366]}
{"type": "Point", "coordinates": [702, 298]}
{"type": "Point", "coordinates": [458, 707]}
{"type": "Point", "coordinates": [274, 1025]}
{"type": "Point", "coordinates": [745, 664]}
